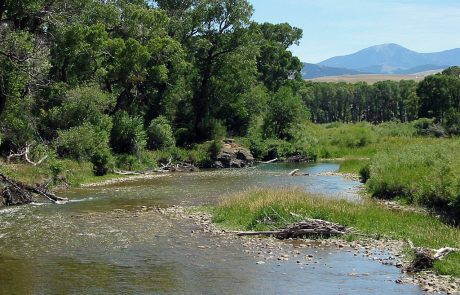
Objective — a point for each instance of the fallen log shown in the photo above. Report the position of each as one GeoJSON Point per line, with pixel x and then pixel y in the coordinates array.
{"type": "Point", "coordinates": [426, 257]}
{"type": "Point", "coordinates": [269, 162]}
{"type": "Point", "coordinates": [25, 191]}
{"type": "Point", "coordinates": [309, 227]}
{"type": "Point", "coordinates": [120, 172]}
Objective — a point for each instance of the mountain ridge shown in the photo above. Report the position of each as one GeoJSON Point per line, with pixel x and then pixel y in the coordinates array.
{"type": "Point", "coordinates": [387, 58]}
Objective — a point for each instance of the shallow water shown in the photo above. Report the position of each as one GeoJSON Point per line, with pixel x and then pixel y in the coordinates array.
{"type": "Point", "coordinates": [104, 242]}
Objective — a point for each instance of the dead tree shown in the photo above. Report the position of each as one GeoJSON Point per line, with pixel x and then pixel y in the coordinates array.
{"type": "Point", "coordinates": [24, 153]}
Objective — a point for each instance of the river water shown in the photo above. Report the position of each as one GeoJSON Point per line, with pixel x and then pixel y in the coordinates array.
{"type": "Point", "coordinates": [104, 242]}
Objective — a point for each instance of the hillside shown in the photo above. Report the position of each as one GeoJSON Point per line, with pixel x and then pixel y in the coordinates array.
{"type": "Point", "coordinates": [310, 71]}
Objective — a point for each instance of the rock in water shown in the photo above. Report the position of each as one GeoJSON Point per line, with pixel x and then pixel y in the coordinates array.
{"type": "Point", "coordinates": [233, 155]}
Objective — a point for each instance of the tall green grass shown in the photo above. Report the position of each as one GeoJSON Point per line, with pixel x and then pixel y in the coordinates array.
{"type": "Point", "coordinates": [339, 140]}
{"type": "Point", "coordinates": [353, 165]}
{"type": "Point", "coordinates": [264, 209]}
{"type": "Point", "coordinates": [420, 171]}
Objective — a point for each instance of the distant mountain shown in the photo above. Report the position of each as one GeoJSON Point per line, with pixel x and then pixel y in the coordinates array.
{"type": "Point", "coordinates": [311, 71]}
{"type": "Point", "coordinates": [392, 59]}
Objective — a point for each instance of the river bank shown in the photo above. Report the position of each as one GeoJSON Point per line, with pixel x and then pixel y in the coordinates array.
{"type": "Point", "coordinates": [269, 209]}
{"type": "Point", "coordinates": [270, 250]}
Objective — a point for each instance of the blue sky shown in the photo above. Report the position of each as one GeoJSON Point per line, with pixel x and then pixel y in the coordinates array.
{"type": "Point", "coordinates": [339, 27]}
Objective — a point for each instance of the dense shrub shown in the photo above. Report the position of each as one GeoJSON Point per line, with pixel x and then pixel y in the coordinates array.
{"type": "Point", "coordinates": [101, 161]}
{"type": "Point", "coordinates": [452, 122]}
{"type": "Point", "coordinates": [428, 127]}
{"type": "Point", "coordinates": [352, 135]}
{"type": "Point", "coordinates": [86, 104]}
{"type": "Point", "coordinates": [17, 125]}
{"type": "Point", "coordinates": [396, 129]}
{"type": "Point", "coordinates": [160, 134]}
{"type": "Point", "coordinates": [81, 142]}
{"type": "Point", "coordinates": [212, 128]}
{"type": "Point", "coordinates": [277, 148]}
{"type": "Point", "coordinates": [128, 135]}
{"type": "Point", "coordinates": [364, 173]}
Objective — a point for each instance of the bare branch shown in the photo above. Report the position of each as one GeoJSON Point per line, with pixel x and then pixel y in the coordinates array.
{"type": "Point", "coordinates": [24, 153]}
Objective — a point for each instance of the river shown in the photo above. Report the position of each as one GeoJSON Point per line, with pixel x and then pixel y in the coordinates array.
{"type": "Point", "coordinates": [105, 241]}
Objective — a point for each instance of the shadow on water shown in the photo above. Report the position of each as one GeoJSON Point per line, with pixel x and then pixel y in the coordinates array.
{"type": "Point", "coordinates": [106, 242]}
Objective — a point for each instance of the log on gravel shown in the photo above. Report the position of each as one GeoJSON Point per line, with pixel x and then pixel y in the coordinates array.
{"type": "Point", "coordinates": [306, 228]}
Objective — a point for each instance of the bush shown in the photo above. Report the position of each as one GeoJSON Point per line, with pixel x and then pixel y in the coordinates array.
{"type": "Point", "coordinates": [211, 129]}
{"type": "Point", "coordinates": [17, 123]}
{"type": "Point", "coordinates": [128, 135]}
{"type": "Point", "coordinates": [80, 143]}
{"type": "Point", "coordinates": [183, 136]}
{"type": "Point", "coordinates": [101, 161]}
{"type": "Point", "coordinates": [365, 173]}
{"type": "Point", "coordinates": [160, 134]}
{"type": "Point", "coordinates": [452, 122]}
{"type": "Point", "coordinates": [278, 148]}
{"type": "Point", "coordinates": [56, 167]}
{"type": "Point", "coordinates": [428, 127]}
{"type": "Point", "coordinates": [352, 135]}
{"type": "Point", "coordinates": [87, 104]}
{"type": "Point", "coordinates": [396, 129]}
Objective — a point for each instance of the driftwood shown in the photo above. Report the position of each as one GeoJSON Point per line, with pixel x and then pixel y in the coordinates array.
{"type": "Point", "coordinates": [425, 257]}
{"type": "Point", "coordinates": [24, 153]}
{"type": "Point", "coordinates": [309, 227]}
{"type": "Point", "coordinates": [122, 172]}
{"type": "Point", "coordinates": [16, 193]}
{"type": "Point", "coordinates": [165, 168]}
{"type": "Point", "coordinates": [294, 172]}
{"type": "Point", "coordinates": [177, 167]}
{"type": "Point", "coordinates": [269, 162]}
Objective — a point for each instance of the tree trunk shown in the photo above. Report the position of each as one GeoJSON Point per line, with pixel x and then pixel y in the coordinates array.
{"type": "Point", "coordinates": [2, 95]}
{"type": "Point", "coordinates": [201, 99]}
{"type": "Point", "coordinates": [2, 9]}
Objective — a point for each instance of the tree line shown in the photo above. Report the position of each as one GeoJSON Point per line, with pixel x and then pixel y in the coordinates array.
{"type": "Point", "coordinates": [436, 97]}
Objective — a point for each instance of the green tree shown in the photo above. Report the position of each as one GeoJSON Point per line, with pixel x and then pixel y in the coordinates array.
{"type": "Point", "coordinates": [285, 111]}
{"type": "Point", "coordinates": [128, 135]}
{"type": "Point", "coordinates": [160, 134]}
{"type": "Point", "coordinates": [276, 64]}
{"type": "Point", "coordinates": [222, 29]}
